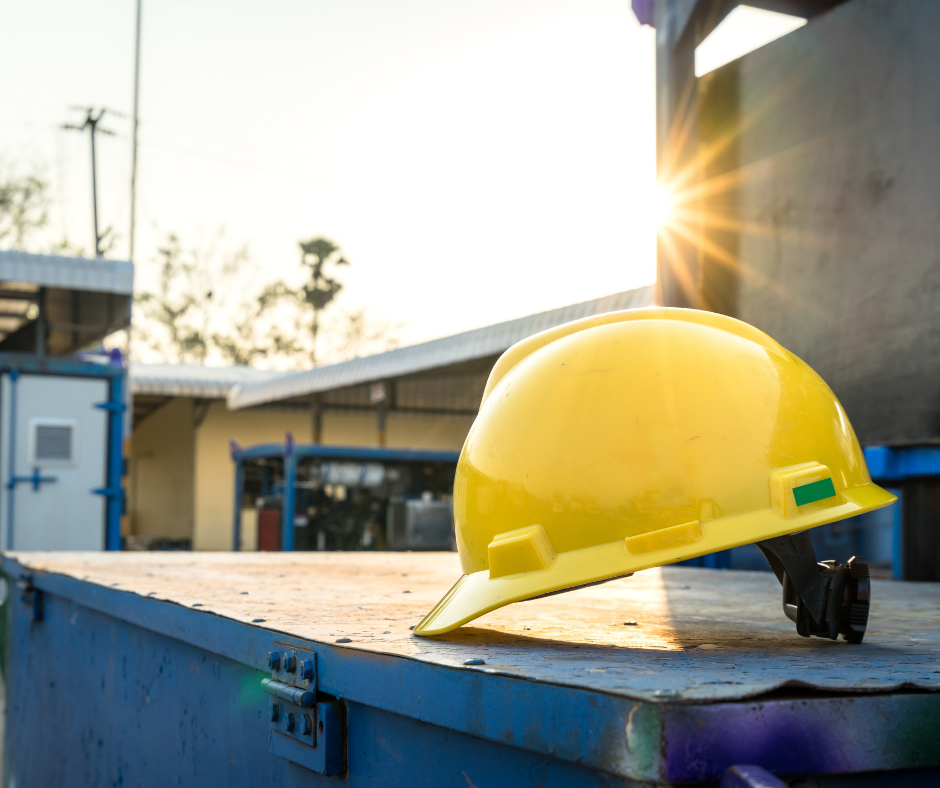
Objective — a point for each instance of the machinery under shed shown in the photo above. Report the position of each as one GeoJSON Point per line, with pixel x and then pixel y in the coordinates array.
{"type": "Point", "coordinates": [343, 498]}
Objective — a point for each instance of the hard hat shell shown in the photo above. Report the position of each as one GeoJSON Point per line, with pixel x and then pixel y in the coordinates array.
{"type": "Point", "coordinates": [640, 438]}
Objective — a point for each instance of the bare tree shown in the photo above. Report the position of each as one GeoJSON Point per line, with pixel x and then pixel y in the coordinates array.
{"type": "Point", "coordinates": [251, 338]}
{"type": "Point", "coordinates": [198, 295]}
{"type": "Point", "coordinates": [24, 208]}
{"type": "Point", "coordinates": [358, 335]}
{"type": "Point", "coordinates": [205, 309]}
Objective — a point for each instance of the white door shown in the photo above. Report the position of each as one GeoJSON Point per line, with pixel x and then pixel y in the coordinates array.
{"type": "Point", "coordinates": [59, 448]}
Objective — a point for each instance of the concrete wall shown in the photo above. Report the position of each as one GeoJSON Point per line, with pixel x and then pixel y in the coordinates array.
{"type": "Point", "coordinates": [160, 484]}
{"type": "Point", "coordinates": [417, 431]}
{"type": "Point", "coordinates": [826, 205]}
{"type": "Point", "coordinates": [403, 430]}
{"type": "Point", "coordinates": [214, 472]}
{"type": "Point", "coordinates": [349, 428]}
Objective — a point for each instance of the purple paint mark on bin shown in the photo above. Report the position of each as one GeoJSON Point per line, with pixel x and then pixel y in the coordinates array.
{"type": "Point", "coordinates": [801, 736]}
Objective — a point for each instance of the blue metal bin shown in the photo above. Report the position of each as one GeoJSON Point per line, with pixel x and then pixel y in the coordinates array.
{"type": "Point", "coordinates": [289, 669]}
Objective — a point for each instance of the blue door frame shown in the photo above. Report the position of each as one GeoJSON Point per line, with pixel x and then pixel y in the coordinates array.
{"type": "Point", "coordinates": [16, 364]}
{"type": "Point", "coordinates": [292, 453]}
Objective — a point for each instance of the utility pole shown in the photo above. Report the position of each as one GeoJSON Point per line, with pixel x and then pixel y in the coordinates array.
{"type": "Point", "coordinates": [134, 144]}
{"type": "Point", "coordinates": [91, 123]}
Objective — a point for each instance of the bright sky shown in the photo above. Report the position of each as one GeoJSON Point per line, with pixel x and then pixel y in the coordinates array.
{"type": "Point", "coordinates": [477, 161]}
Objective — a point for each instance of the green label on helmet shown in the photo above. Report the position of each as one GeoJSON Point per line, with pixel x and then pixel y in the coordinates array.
{"type": "Point", "coordinates": [816, 491]}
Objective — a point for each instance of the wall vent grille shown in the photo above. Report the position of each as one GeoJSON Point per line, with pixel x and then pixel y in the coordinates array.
{"type": "Point", "coordinates": [54, 442]}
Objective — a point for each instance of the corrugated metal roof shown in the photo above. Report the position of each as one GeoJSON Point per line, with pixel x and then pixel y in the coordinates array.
{"type": "Point", "coordinates": [191, 380]}
{"type": "Point", "coordinates": [68, 273]}
{"type": "Point", "coordinates": [467, 346]}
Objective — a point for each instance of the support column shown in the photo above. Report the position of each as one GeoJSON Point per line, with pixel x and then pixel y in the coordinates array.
{"type": "Point", "coordinates": [290, 495]}
{"type": "Point", "coordinates": [41, 323]}
{"type": "Point", "coordinates": [381, 413]}
{"type": "Point", "coordinates": [115, 484]}
{"type": "Point", "coordinates": [237, 506]}
{"type": "Point", "coordinates": [234, 450]}
{"type": "Point", "coordinates": [316, 415]}
{"type": "Point", "coordinates": [677, 264]}
{"type": "Point", "coordinates": [920, 531]}
{"type": "Point", "coordinates": [681, 25]}
{"type": "Point", "coordinates": [382, 396]}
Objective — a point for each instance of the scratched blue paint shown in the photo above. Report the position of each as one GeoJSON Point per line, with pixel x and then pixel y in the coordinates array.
{"type": "Point", "coordinates": [146, 692]}
{"type": "Point", "coordinates": [123, 705]}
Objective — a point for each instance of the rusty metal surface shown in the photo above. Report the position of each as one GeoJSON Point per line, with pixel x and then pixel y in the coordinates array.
{"type": "Point", "coordinates": [701, 635]}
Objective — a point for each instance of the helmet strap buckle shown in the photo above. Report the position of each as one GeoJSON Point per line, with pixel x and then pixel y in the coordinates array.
{"type": "Point", "coordinates": [824, 599]}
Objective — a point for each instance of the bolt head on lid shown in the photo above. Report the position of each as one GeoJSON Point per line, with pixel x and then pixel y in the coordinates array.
{"type": "Point", "coordinates": [290, 661]}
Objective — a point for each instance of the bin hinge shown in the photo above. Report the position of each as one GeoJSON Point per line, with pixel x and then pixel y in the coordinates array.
{"type": "Point", "coordinates": [307, 727]}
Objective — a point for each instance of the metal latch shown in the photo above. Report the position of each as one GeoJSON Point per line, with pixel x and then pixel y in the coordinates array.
{"type": "Point", "coordinates": [36, 479]}
{"type": "Point", "coordinates": [307, 728]}
{"type": "Point", "coordinates": [31, 596]}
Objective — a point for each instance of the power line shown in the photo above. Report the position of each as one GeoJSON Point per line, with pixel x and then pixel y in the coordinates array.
{"type": "Point", "coordinates": [91, 123]}
{"type": "Point", "coordinates": [289, 169]}
{"type": "Point", "coordinates": [294, 174]}
{"type": "Point", "coordinates": [135, 127]}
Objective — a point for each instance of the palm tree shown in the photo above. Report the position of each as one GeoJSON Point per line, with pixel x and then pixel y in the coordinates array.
{"type": "Point", "coordinates": [318, 254]}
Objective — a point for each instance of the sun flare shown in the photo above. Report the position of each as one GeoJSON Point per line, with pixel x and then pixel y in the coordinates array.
{"type": "Point", "coordinates": [661, 206]}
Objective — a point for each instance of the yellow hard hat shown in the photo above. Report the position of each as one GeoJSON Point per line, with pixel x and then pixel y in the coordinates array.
{"type": "Point", "coordinates": [635, 439]}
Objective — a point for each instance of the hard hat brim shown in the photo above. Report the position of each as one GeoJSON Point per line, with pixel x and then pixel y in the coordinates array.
{"type": "Point", "coordinates": [475, 594]}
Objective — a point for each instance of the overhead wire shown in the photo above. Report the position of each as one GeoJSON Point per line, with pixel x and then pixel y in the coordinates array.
{"type": "Point", "coordinates": [63, 159]}
{"type": "Point", "coordinates": [295, 174]}
{"type": "Point", "coordinates": [190, 151]}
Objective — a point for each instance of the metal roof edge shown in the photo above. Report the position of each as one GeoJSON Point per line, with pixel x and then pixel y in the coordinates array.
{"type": "Point", "coordinates": [492, 340]}
{"type": "Point", "coordinates": [191, 380]}
{"type": "Point", "coordinates": [71, 273]}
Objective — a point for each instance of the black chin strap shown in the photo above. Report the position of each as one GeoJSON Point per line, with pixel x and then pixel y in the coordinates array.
{"type": "Point", "coordinates": [824, 599]}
